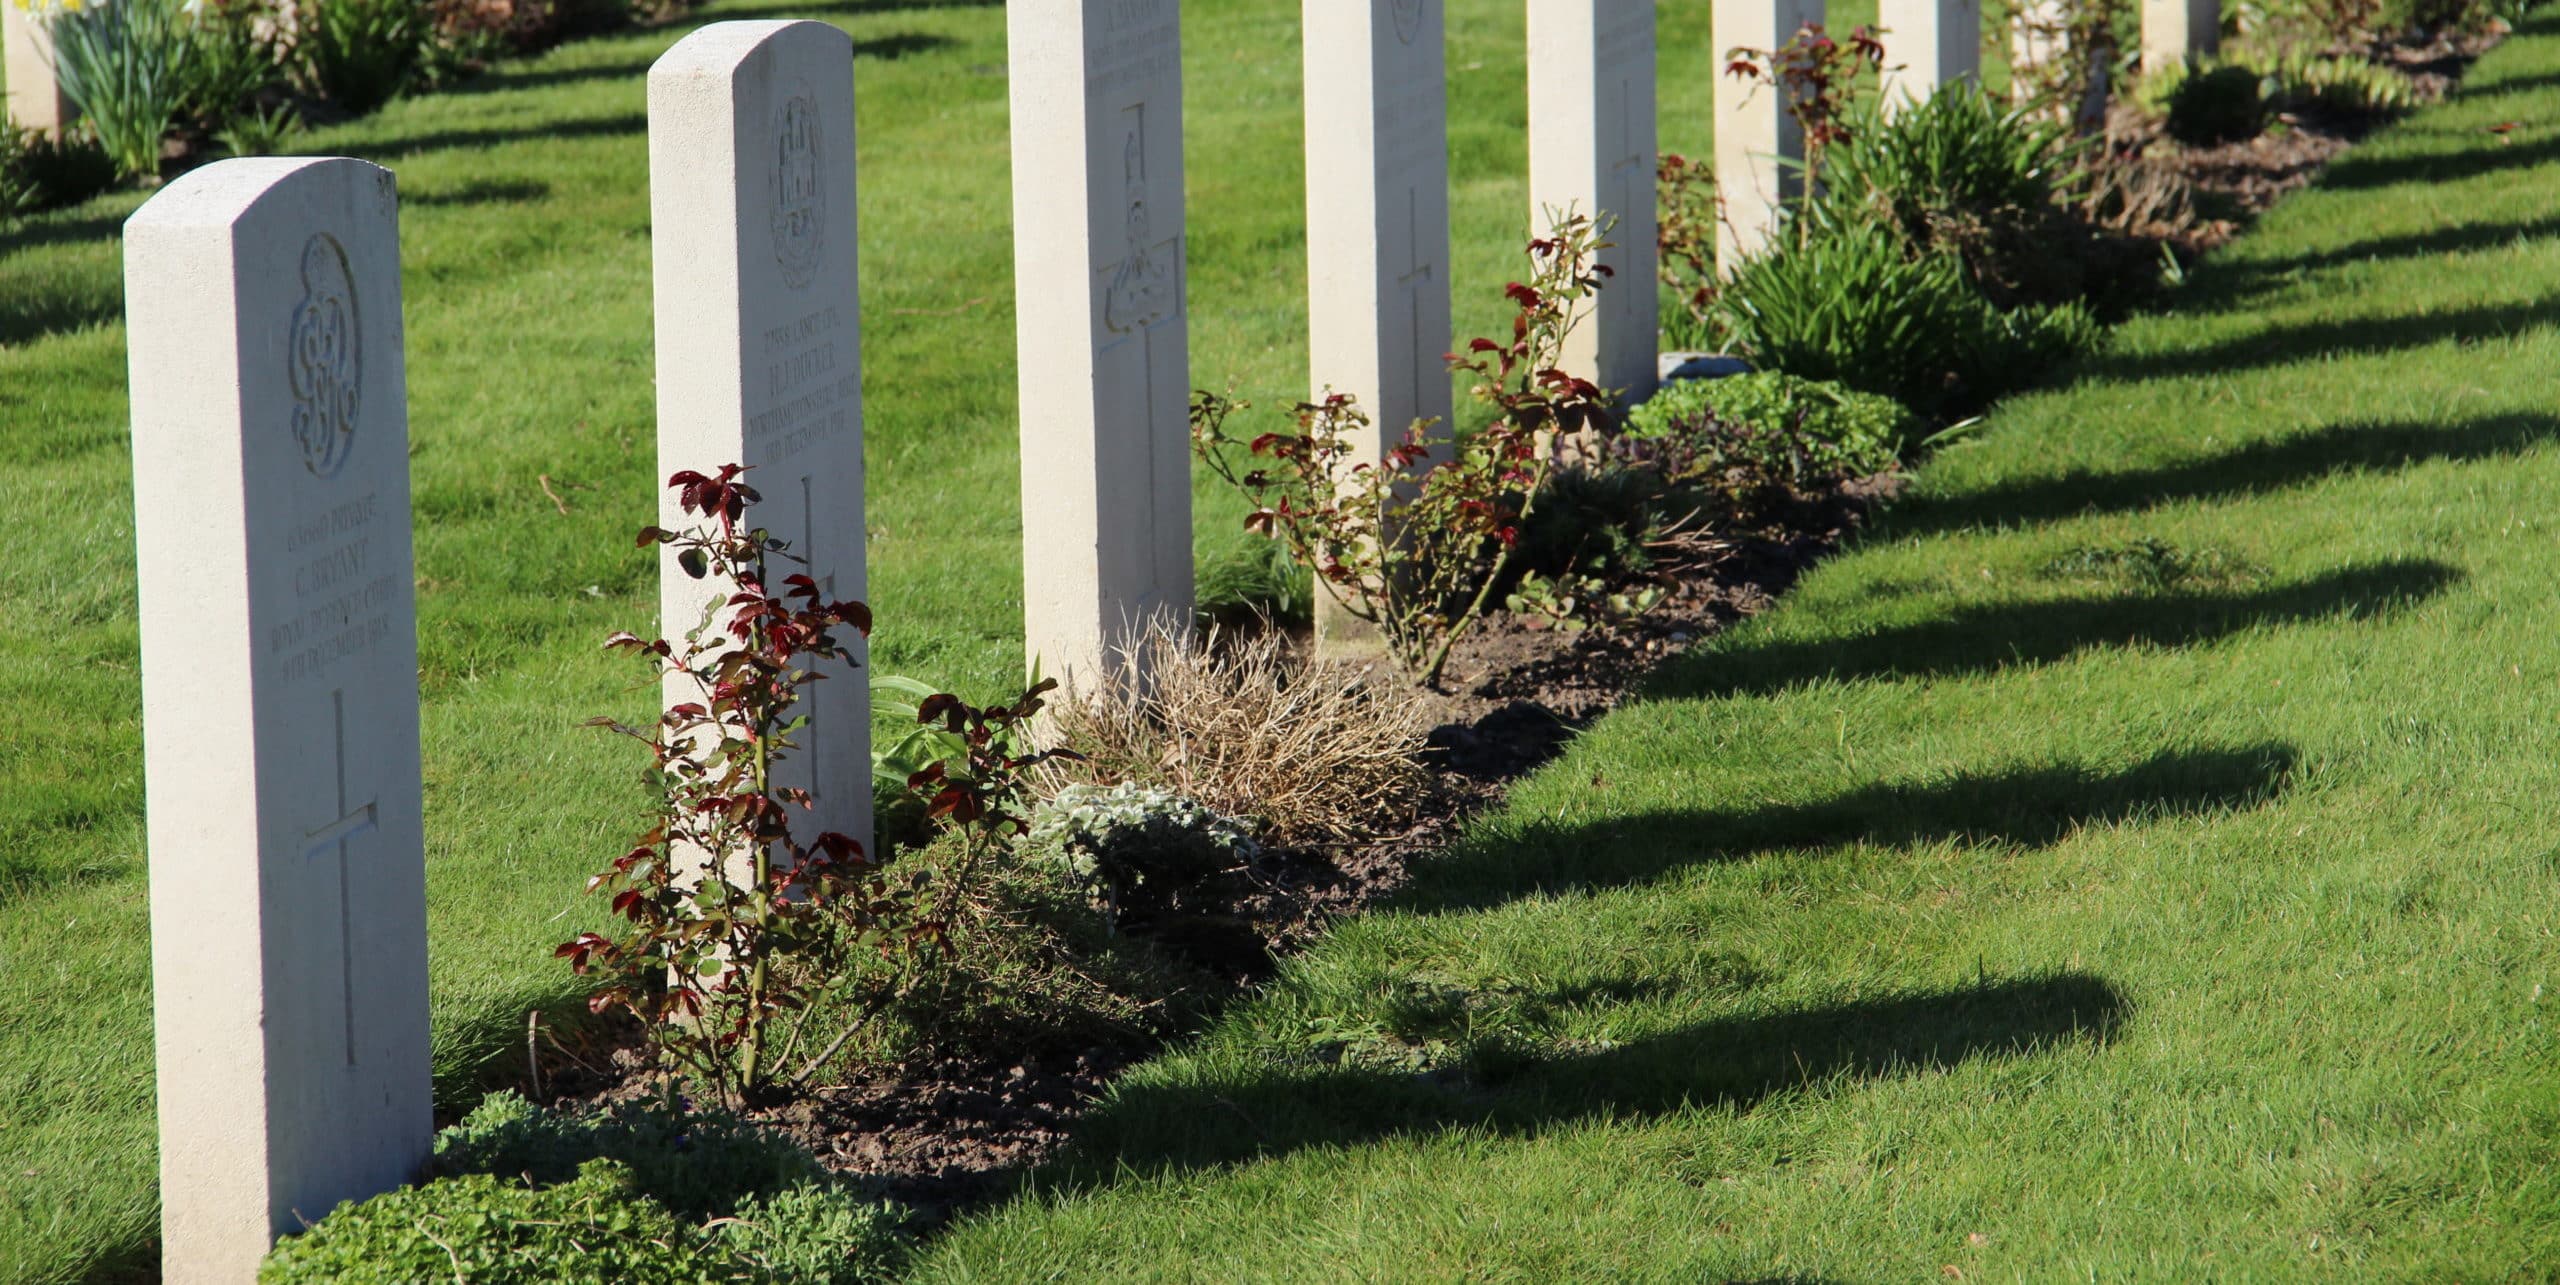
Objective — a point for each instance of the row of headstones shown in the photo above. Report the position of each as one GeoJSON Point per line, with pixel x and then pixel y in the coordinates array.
{"type": "Point", "coordinates": [1928, 43]}
{"type": "Point", "coordinates": [273, 518]}
{"type": "Point", "coordinates": [272, 488]}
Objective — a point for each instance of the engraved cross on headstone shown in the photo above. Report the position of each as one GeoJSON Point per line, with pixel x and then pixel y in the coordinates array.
{"type": "Point", "coordinates": [1413, 282]}
{"type": "Point", "coordinates": [1629, 175]}
{"type": "Point", "coordinates": [352, 820]}
{"type": "Point", "coordinates": [1142, 295]}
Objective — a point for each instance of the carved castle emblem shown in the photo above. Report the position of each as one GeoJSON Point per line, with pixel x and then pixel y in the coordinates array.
{"type": "Point", "coordinates": [799, 190]}
{"type": "Point", "coordinates": [1143, 291]}
{"type": "Point", "coordinates": [1409, 19]}
{"type": "Point", "coordinates": [326, 352]}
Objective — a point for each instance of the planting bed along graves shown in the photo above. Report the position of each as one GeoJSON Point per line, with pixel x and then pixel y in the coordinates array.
{"type": "Point", "coordinates": [285, 632]}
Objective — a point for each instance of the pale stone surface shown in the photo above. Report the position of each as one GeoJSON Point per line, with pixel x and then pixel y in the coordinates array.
{"type": "Point", "coordinates": [1591, 149]}
{"type": "Point", "coordinates": [1377, 224]}
{"type": "Point", "coordinates": [1101, 326]}
{"type": "Point", "coordinates": [2033, 39]}
{"type": "Point", "coordinates": [35, 98]}
{"type": "Point", "coordinates": [280, 700]}
{"type": "Point", "coordinates": [1928, 43]}
{"type": "Point", "coordinates": [1758, 144]}
{"type": "Point", "coordinates": [2172, 30]}
{"type": "Point", "coordinates": [751, 206]}
{"type": "Point", "coordinates": [2039, 36]}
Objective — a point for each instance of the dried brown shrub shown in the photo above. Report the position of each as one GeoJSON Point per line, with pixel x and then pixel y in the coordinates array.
{"type": "Point", "coordinates": [1317, 753]}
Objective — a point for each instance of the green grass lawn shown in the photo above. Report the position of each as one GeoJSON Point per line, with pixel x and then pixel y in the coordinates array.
{"type": "Point", "coordinates": [2141, 925]}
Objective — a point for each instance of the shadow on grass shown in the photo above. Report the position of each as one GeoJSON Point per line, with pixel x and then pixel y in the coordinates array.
{"type": "Point", "coordinates": [2473, 91]}
{"type": "Point", "coordinates": [893, 48]}
{"type": "Point", "coordinates": [1267, 1111]}
{"type": "Point", "coordinates": [131, 1263]}
{"type": "Point", "coordinates": [2452, 238]}
{"type": "Point", "coordinates": [36, 234]}
{"type": "Point", "coordinates": [2257, 469]}
{"type": "Point", "coordinates": [2319, 340]}
{"type": "Point", "coordinates": [61, 301]}
{"type": "Point", "coordinates": [480, 191]}
{"type": "Point", "coordinates": [1977, 640]}
{"type": "Point", "coordinates": [26, 316]}
{"type": "Point", "coordinates": [2025, 806]}
{"type": "Point", "coordinates": [505, 79]}
{"type": "Point", "coordinates": [615, 126]}
{"type": "Point", "coordinates": [2356, 170]}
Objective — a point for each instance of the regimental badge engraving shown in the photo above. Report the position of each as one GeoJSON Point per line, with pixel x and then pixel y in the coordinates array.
{"type": "Point", "coordinates": [327, 355]}
{"type": "Point", "coordinates": [1409, 19]}
{"type": "Point", "coordinates": [1143, 291]}
{"type": "Point", "coordinates": [799, 190]}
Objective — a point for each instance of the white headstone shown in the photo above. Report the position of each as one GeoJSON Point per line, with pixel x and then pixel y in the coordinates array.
{"type": "Point", "coordinates": [1377, 221]}
{"type": "Point", "coordinates": [1102, 328]}
{"type": "Point", "coordinates": [2037, 37]}
{"type": "Point", "coordinates": [35, 97]}
{"type": "Point", "coordinates": [1928, 43]}
{"type": "Point", "coordinates": [1758, 144]}
{"type": "Point", "coordinates": [1591, 150]}
{"type": "Point", "coordinates": [751, 209]}
{"type": "Point", "coordinates": [2174, 30]}
{"type": "Point", "coordinates": [280, 700]}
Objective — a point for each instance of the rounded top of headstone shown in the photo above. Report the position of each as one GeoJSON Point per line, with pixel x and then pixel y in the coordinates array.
{"type": "Point", "coordinates": [722, 47]}
{"type": "Point", "coordinates": [218, 195]}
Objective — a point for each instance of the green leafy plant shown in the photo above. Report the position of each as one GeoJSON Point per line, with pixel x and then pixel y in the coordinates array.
{"type": "Point", "coordinates": [814, 1234]}
{"type": "Point", "coordinates": [1589, 552]}
{"type": "Point", "coordinates": [730, 913]}
{"type": "Point", "coordinates": [2208, 99]}
{"type": "Point", "coordinates": [1031, 968]}
{"type": "Point", "coordinates": [914, 744]}
{"type": "Point", "coordinates": [235, 67]}
{"type": "Point", "coordinates": [640, 1192]}
{"type": "Point", "coordinates": [978, 792]}
{"type": "Point", "coordinates": [593, 1230]}
{"type": "Point", "coordinates": [1576, 600]}
{"type": "Point", "coordinates": [1957, 156]}
{"type": "Point", "coordinates": [1254, 581]}
{"type": "Point", "coordinates": [1962, 174]}
{"type": "Point", "coordinates": [2343, 86]}
{"type": "Point", "coordinates": [2222, 103]}
{"type": "Point", "coordinates": [1843, 429]}
{"type": "Point", "coordinates": [1856, 307]}
{"type": "Point", "coordinates": [698, 1161]}
{"type": "Point", "coordinates": [260, 131]}
{"type": "Point", "coordinates": [360, 54]}
{"type": "Point", "coordinates": [1133, 849]}
{"type": "Point", "coordinates": [128, 65]}
{"type": "Point", "coordinates": [1416, 548]}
